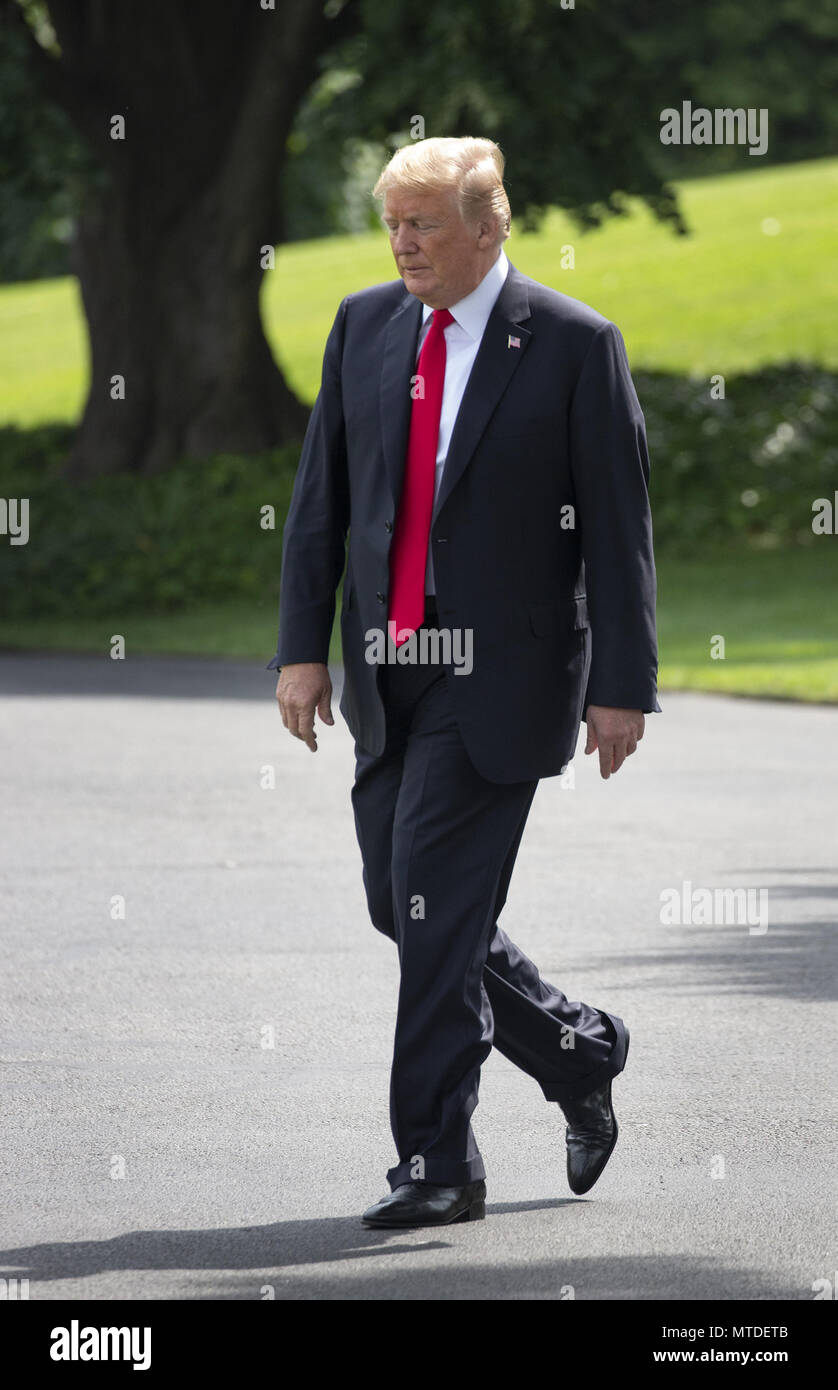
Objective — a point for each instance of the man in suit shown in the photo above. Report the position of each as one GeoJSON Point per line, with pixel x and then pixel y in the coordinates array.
{"type": "Point", "coordinates": [479, 437]}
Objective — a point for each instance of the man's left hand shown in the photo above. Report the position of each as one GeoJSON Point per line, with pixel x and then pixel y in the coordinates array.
{"type": "Point", "coordinates": [615, 732]}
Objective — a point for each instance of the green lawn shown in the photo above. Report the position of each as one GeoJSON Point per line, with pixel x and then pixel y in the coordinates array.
{"type": "Point", "coordinates": [731, 297]}
{"type": "Point", "coordinates": [781, 638]}
{"type": "Point", "coordinates": [728, 298]}
{"type": "Point", "coordinates": [776, 610]}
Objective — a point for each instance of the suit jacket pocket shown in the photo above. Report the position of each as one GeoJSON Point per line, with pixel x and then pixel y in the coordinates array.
{"type": "Point", "coordinates": [558, 616]}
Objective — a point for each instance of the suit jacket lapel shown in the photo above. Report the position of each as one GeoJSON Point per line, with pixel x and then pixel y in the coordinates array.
{"type": "Point", "coordinates": [496, 362]}
{"type": "Point", "coordinates": [394, 395]}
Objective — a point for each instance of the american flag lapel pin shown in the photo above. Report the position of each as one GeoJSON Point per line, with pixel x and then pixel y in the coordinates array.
{"type": "Point", "coordinates": [513, 342]}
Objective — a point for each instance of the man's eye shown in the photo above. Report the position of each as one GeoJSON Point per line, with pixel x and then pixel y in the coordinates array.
{"type": "Point", "coordinates": [417, 226]}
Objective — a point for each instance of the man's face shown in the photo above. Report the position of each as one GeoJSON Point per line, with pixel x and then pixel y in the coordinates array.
{"type": "Point", "coordinates": [439, 257]}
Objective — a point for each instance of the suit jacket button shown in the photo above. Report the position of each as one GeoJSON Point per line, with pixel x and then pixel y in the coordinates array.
{"type": "Point", "coordinates": [388, 526]}
{"type": "Point", "coordinates": [381, 598]}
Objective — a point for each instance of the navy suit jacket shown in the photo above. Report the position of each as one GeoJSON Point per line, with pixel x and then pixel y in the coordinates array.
{"type": "Point", "coordinates": [541, 531]}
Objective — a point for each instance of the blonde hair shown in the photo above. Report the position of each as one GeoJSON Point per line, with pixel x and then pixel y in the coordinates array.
{"type": "Point", "coordinates": [471, 167]}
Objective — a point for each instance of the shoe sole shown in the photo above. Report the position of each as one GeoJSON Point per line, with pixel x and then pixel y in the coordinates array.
{"type": "Point", "coordinates": [475, 1212]}
{"type": "Point", "coordinates": [580, 1191]}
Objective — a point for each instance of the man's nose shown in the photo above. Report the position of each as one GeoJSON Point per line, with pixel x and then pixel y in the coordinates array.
{"type": "Point", "coordinates": [404, 240]}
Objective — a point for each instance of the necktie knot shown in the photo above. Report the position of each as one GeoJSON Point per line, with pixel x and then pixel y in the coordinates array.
{"type": "Point", "coordinates": [441, 318]}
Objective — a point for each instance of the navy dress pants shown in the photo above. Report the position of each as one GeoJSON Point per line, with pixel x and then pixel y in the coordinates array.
{"type": "Point", "coordinates": [438, 844]}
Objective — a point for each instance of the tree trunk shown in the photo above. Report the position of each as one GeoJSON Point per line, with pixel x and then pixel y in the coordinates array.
{"type": "Point", "coordinates": [183, 330]}
{"type": "Point", "coordinates": [169, 246]}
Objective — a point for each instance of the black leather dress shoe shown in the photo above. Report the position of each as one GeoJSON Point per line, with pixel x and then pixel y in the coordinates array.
{"type": "Point", "coordinates": [426, 1204]}
{"type": "Point", "coordinates": [591, 1135]}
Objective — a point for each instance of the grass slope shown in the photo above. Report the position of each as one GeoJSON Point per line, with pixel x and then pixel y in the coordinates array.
{"type": "Point", "coordinates": [755, 284]}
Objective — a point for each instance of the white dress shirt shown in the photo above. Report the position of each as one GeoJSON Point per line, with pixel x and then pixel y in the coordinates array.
{"type": "Point", "coordinates": [462, 339]}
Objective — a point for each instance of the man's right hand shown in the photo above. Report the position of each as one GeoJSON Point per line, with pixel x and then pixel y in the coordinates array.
{"type": "Point", "coordinates": [302, 688]}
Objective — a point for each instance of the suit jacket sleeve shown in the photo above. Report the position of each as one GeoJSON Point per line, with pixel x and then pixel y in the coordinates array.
{"type": "Point", "coordinates": [610, 466]}
{"type": "Point", "coordinates": [314, 538]}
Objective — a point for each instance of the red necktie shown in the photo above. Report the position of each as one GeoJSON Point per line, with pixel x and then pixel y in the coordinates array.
{"type": "Point", "coordinates": [409, 550]}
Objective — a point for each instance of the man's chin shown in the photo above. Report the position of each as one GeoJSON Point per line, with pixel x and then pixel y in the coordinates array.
{"type": "Point", "coordinates": [420, 284]}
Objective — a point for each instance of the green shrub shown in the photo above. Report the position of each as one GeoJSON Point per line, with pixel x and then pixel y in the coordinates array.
{"type": "Point", "coordinates": [746, 467]}
{"type": "Point", "coordinates": [749, 465]}
{"type": "Point", "coordinates": [151, 544]}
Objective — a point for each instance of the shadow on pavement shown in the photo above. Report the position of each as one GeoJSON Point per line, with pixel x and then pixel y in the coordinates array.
{"type": "Point", "coordinates": [793, 960]}
{"type": "Point", "coordinates": [268, 1251]}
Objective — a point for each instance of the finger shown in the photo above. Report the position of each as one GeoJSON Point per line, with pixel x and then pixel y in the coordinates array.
{"type": "Point", "coordinates": [306, 729]}
{"type": "Point", "coordinates": [591, 743]}
{"type": "Point", "coordinates": [324, 709]}
{"type": "Point", "coordinates": [632, 748]}
{"type": "Point", "coordinates": [619, 754]}
{"type": "Point", "coordinates": [606, 754]}
{"type": "Point", "coordinates": [297, 725]}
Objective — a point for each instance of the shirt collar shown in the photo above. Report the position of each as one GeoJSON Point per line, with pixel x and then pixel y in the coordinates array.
{"type": "Point", "coordinates": [472, 312]}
